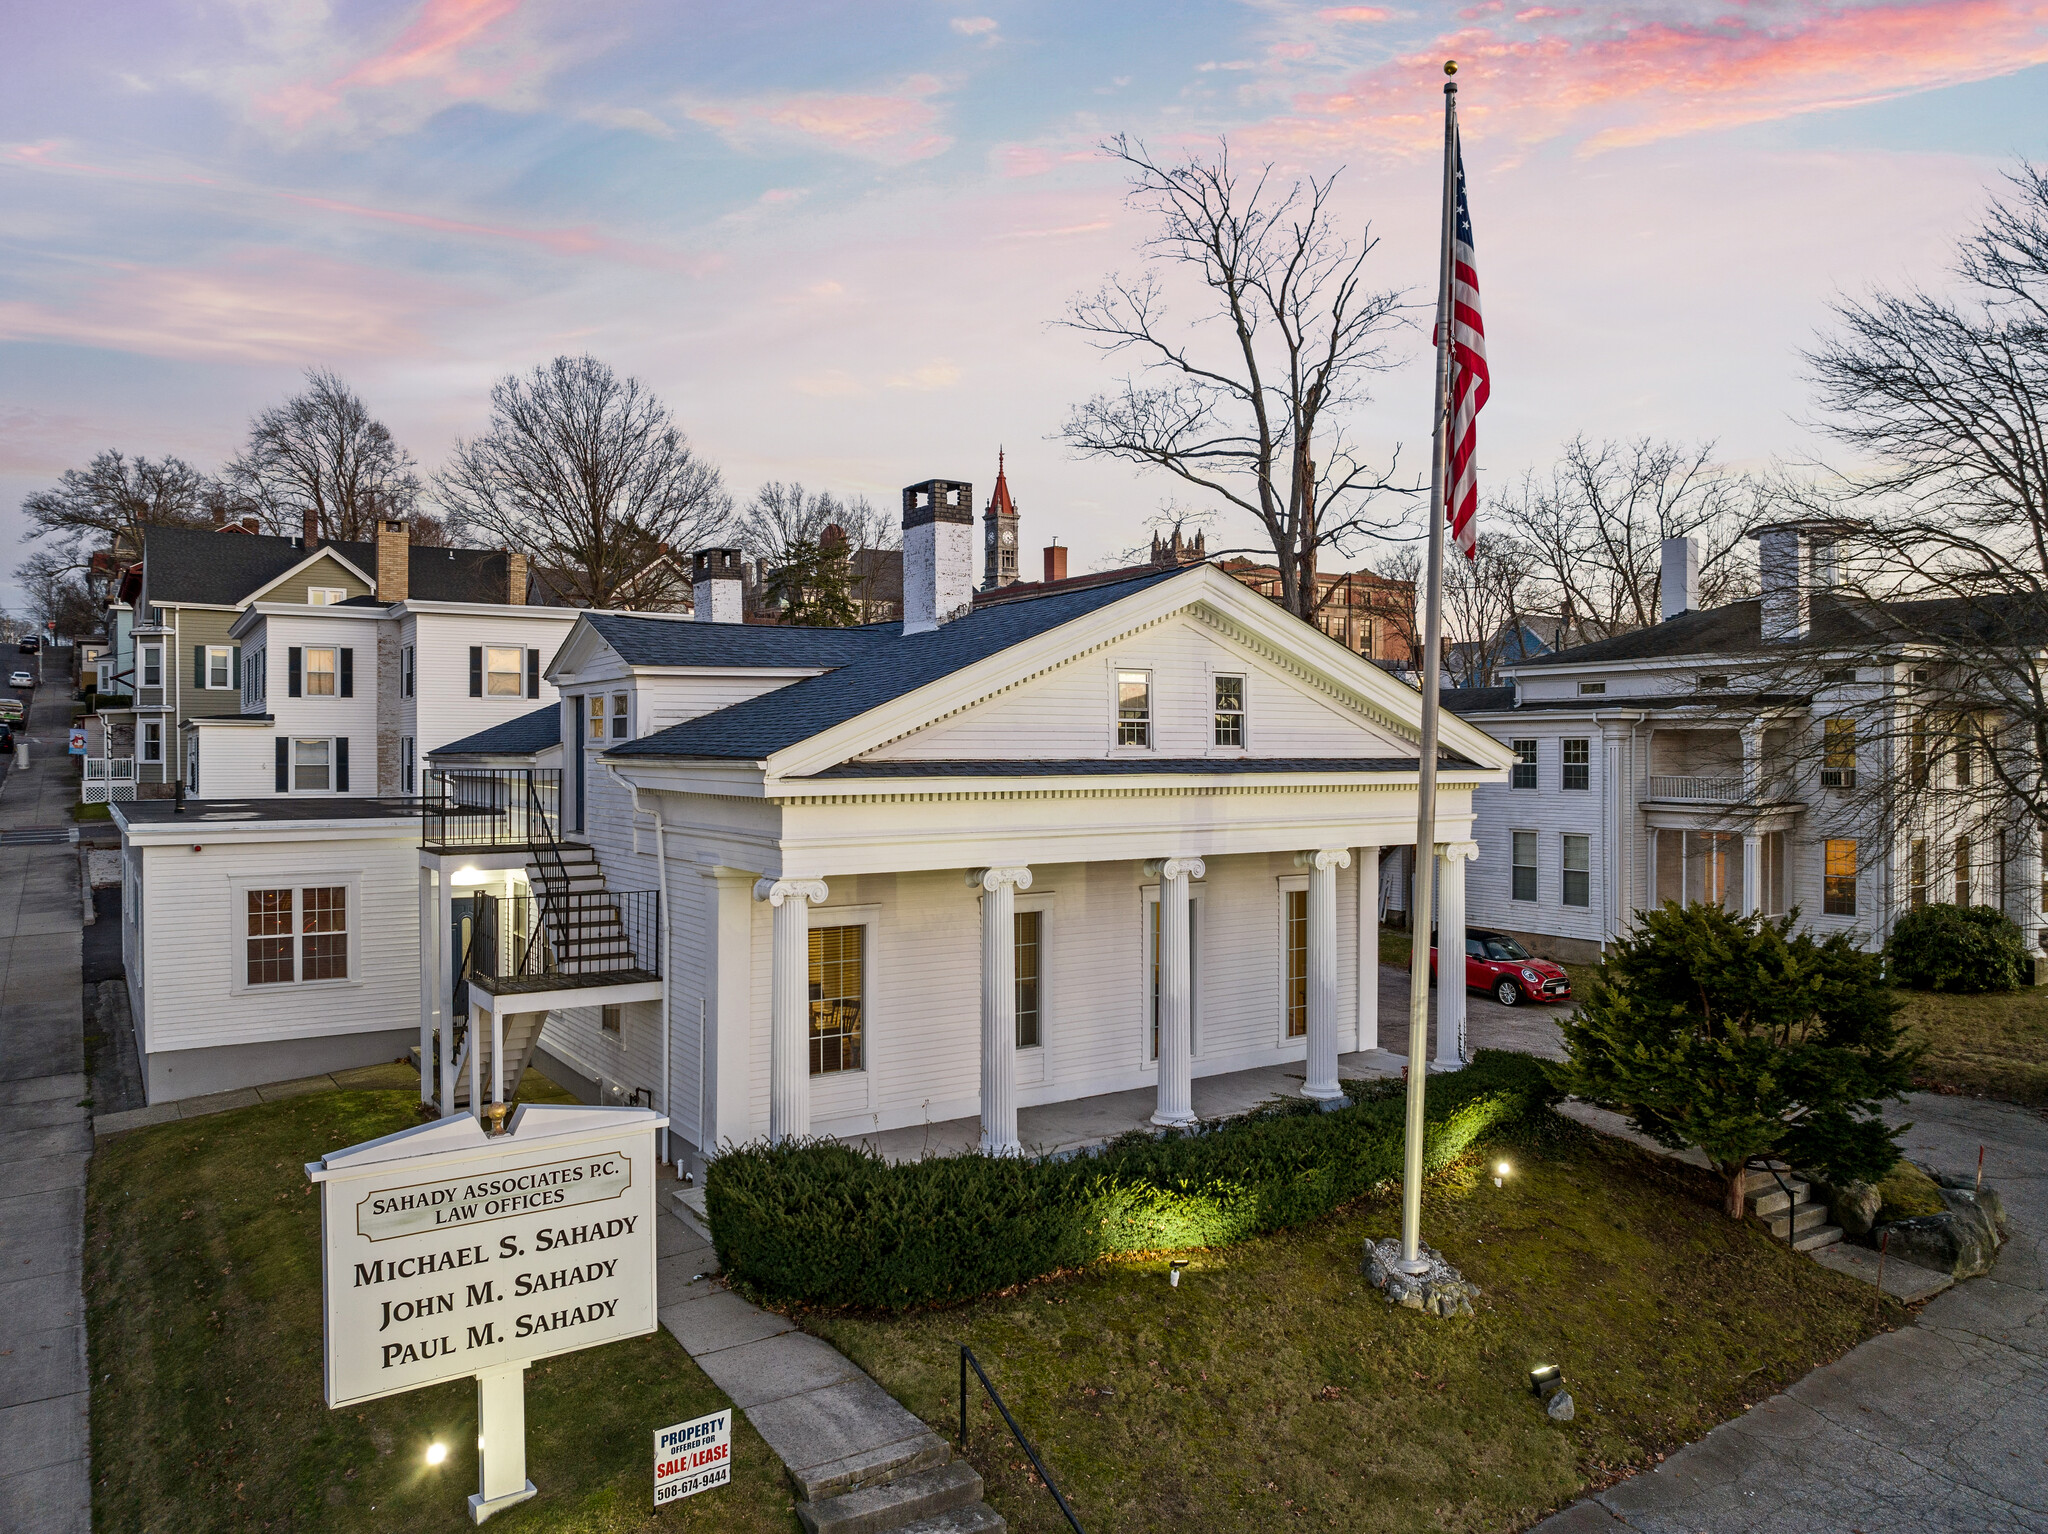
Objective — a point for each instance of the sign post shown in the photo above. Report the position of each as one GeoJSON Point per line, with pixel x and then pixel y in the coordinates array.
{"type": "Point", "coordinates": [448, 1251]}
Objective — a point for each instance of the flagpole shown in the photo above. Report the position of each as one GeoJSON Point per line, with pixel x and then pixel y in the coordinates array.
{"type": "Point", "coordinates": [1420, 916]}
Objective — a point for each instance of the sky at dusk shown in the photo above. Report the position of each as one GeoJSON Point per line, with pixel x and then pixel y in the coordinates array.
{"type": "Point", "coordinates": [835, 238]}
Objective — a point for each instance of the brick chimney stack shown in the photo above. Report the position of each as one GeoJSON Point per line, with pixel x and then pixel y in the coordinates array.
{"type": "Point", "coordinates": [515, 578]}
{"type": "Point", "coordinates": [309, 528]}
{"type": "Point", "coordinates": [394, 560]}
{"type": "Point", "coordinates": [1055, 563]}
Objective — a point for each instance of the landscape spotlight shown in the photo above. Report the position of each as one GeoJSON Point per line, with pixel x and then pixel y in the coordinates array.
{"type": "Point", "coordinates": [1546, 1380]}
{"type": "Point", "coordinates": [1500, 1172]}
{"type": "Point", "coordinates": [1173, 1271]}
{"type": "Point", "coordinates": [436, 1452]}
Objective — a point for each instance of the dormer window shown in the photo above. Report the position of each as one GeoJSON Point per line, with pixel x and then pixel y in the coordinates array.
{"type": "Point", "coordinates": [326, 596]}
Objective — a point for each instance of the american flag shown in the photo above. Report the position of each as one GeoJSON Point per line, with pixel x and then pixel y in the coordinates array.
{"type": "Point", "coordinates": [1469, 380]}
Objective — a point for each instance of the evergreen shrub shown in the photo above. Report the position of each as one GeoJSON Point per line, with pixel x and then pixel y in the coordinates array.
{"type": "Point", "coordinates": [831, 1225]}
{"type": "Point", "coordinates": [1957, 948]}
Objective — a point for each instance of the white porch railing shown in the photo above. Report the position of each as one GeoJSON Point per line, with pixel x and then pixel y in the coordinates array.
{"type": "Point", "coordinates": [108, 779]}
{"type": "Point", "coordinates": [1697, 790]}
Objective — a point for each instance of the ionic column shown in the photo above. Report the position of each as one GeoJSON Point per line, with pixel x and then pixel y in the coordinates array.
{"type": "Point", "coordinates": [1176, 991]}
{"type": "Point", "coordinates": [789, 1005]}
{"type": "Point", "coordinates": [1752, 873]}
{"type": "Point", "coordinates": [1450, 952]}
{"type": "Point", "coordinates": [1321, 1074]}
{"type": "Point", "coordinates": [999, 888]}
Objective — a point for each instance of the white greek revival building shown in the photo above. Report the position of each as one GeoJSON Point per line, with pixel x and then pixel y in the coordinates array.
{"type": "Point", "coordinates": [1033, 844]}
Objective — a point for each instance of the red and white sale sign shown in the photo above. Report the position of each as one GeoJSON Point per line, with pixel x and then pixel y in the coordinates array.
{"type": "Point", "coordinates": [692, 1457]}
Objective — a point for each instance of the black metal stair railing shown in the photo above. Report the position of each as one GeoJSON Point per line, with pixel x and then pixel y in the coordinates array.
{"type": "Point", "coordinates": [969, 1361]}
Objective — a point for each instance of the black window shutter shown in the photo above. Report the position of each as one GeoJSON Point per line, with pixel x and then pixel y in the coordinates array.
{"type": "Point", "coordinates": [291, 660]}
{"type": "Point", "coordinates": [348, 672]}
{"type": "Point", "coordinates": [533, 673]}
{"type": "Point", "coordinates": [476, 671]}
{"type": "Point", "coordinates": [235, 667]}
{"type": "Point", "coordinates": [284, 765]}
{"type": "Point", "coordinates": [199, 665]}
{"type": "Point", "coordinates": [341, 762]}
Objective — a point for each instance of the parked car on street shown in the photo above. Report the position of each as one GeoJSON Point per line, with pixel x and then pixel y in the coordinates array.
{"type": "Point", "coordinates": [11, 708]}
{"type": "Point", "coordinates": [1504, 969]}
{"type": "Point", "coordinates": [21, 679]}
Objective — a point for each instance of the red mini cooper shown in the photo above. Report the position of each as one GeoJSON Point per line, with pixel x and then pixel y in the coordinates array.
{"type": "Point", "coordinates": [1497, 964]}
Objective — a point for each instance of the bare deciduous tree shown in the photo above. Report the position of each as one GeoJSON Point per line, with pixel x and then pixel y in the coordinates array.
{"type": "Point", "coordinates": [1485, 602]}
{"type": "Point", "coordinates": [1247, 399]}
{"type": "Point", "coordinates": [588, 474]}
{"type": "Point", "coordinates": [108, 502]}
{"type": "Point", "coordinates": [782, 515]}
{"type": "Point", "coordinates": [322, 452]}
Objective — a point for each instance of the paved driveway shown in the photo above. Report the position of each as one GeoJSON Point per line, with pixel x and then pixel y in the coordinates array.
{"type": "Point", "coordinates": [1942, 1426]}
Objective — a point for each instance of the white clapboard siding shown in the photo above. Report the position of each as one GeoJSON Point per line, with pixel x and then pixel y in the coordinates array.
{"type": "Point", "coordinates": [442, 711]}
{"type": "Point", "coordinates": [1071, 711]}
{"type": "Point", "coordinates": [661, 701]}
{"type": "Point", "coordinates": [236, 762]}
{"type": "Point", "coordinates": [1550, 811]}
{"type": "Point", "coordinates": [195, 942]}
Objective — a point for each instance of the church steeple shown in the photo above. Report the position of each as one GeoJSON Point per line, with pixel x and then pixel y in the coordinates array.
{"type": "Point", "coordinates": [999, 524]}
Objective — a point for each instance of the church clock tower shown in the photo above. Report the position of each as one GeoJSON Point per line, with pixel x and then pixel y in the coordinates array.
{"type": "Point", "coordinates": [999, 524]}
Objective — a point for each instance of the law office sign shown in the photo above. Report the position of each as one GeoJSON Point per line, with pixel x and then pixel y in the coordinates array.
{"type": "Point", "coordinates": [448, 1252]}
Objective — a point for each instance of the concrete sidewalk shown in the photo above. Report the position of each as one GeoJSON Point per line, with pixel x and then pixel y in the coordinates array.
{"type": "Point", "coordinates": [1942, 1426]}
{"type": "Point", "coordinates": [45, 1483]}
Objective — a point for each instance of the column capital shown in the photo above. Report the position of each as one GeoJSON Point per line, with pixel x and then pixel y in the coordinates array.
{"type": "Point", "coordinates": [777, 891]}
{"type": "Point", "coordinates": [991, 878]}
{"type": "Point", "coordinates": [1327, 858]}
{"type": "Point", "coordinates": [1458, 852]}
{"type": "Point", "coordinates": [1175, 868]}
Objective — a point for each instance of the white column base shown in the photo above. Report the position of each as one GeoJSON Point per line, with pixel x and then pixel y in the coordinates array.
{"type": "Point", "coordinates": [481, 1507]}
{"type": "Point", "coordinates": [501, 1442]}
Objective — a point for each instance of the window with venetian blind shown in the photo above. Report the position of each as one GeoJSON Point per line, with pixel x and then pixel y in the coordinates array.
{"type": "Point", "coordinates": [836, 977]}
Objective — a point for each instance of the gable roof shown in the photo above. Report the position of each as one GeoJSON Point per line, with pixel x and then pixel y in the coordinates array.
{"type": "Point", "coordinates": [524, 736]}
{"type": "Point", "coordinates": [197, 564]}
{"type": "Point", "coordinates": [882, 664]}
{"type": "Point", "coordinates": [642, 640]}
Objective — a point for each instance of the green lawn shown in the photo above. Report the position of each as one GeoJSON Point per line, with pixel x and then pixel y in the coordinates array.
{"type": "Point", "coordinates": [1275, 1384]}
{"type": "Point", "coordinates": [203, 1303]}
{"type": "Point", "coordinates": [84, 812]}
{"type": "Point", "coordinates": [1994, 1045]}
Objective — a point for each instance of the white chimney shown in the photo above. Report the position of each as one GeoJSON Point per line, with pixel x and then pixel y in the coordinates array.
{"type": "Point", "coordinates": [938, 553]}
{"type": "Point", "coordinates": [1680, 577]}
{"type": "Point", "coordinates": [715, 586]}
{"type": "Point", "coordinates": [1781, 571]}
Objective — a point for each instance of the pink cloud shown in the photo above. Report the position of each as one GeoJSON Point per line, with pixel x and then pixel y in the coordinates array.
{"type": "Point", "coordinates": [1356, 13]}
{"type": "Point", "coordinates": [1639, 84]}
{"type": "Point", "coordinates": [894, 127]}
{"type": "Point", "coordinates": [259, 306]}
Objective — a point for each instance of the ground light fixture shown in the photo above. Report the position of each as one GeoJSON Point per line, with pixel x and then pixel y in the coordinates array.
{"type": "Point", "coordinates": [1545, 1381]}
{"type": "Point", "coordinates": [1173, 1271]}
{"type": "Point", "coordinates": [436, 1452]}
{"type": "Point", "coordinates": [1500, 1173]}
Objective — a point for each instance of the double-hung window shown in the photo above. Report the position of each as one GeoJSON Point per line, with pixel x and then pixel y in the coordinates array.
{"type": "Point", "coordinates": [1524, 870]}
{"type": "Point", "coordinates": [326, 596]}
{"type": "Point", "coordinates": [295, 934]}
{"type": "Point", "coordinates": [1963, 870]}
{"type": "Point", "coordinates": [595, 734]}
{"type": "Point", "coordinates": [504, 671]}
{"type": "Point", "coordinates": [220, 667]}
{"type": "Point", "coordinates": [1030, 939]}
{"type": "Point", "coordinates": [1134, 708]}
{"type": "Point", "coordinates": [836, 996]}
{"type": "Point", "coordinates": [152, 740]}
{"type": "Point", "coordinates": [1577, 885]}
{"type": "Point", "coordinates": [622, 705]}
{"type": "Point", "coordinates": [406, 681]}
{"type": "Point", "coordinates": [152, 665]}
{"type": "Point", "coordinates": [1838, 890]}
{"type": "Point", "coordinates": [1838, 754]}
{"type": "Point", "coordinates": [1523, 773]}
{"type": "Point", "coordinates": [1230, 711]}
{"type": "Point", "coordinates": [1916, 885]}
{"type": "Point", "coordinates": [320, 671]}
{"type": "Point", "coordinates": [1578, 764]}
{"type": "Point", "coordinates": [407, 772]}
{"type": "Point", "coordinates": [312, 766]}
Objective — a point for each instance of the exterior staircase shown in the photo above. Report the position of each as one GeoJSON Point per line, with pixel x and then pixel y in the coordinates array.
{"type": "Point", "coordinates": [584, 927]}
{"type": "Point", "coordinates": [1789, 1211]}
{"type": "Point", "coordinates": [522, 1033]}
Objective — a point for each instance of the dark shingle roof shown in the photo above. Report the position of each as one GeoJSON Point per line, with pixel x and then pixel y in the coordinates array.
{"type": "Point", "coordinates": [286, 807]}
{"type": "Point", "coordinates": [682, 641]}
{"type": "Point", "coordinates": [199, 564]}
{"type": "Point", "coordinates": [1123, 766]}
{"type": "Point", "coordinates": [523, 736]}
{"type": "Point", "coordinates": [883, 664]}
{"type": "Point", "coordinates": [1462, 700]}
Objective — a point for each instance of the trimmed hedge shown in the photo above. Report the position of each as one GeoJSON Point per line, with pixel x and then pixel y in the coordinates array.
{"type": "Point", "coordinates": [833, 1225]}
{"type": "Point", "coordinates": [1960, 949]}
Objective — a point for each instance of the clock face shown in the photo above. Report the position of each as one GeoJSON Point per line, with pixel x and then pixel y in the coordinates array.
{"type": "Point", "coordinates": [1009, 536]}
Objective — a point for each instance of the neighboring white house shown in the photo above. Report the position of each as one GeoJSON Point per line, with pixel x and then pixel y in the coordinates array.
{"type": "Point", "coordinates": [857, 879]}
{"type": "Point", "coordinates": [1729, 755]}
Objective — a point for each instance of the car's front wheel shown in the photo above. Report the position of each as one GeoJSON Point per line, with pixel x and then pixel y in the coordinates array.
{"type": "Point", "coordinates": [1507, 993]}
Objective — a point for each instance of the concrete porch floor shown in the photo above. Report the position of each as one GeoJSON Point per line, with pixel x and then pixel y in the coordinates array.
{"type": "Point", "coordinates": [1085, 1121]}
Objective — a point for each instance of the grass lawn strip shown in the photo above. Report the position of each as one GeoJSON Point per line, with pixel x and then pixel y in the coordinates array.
{"type": "Point", "coordinates": [1991, 1046]}
{"type": "Point", "coordinates": [1275, 1384]}
{"type": "Point", "coordinates": [203, 1305]}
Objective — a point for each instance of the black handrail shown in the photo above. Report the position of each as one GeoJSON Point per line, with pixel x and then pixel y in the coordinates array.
{"type": "Point", "coordinates": [966, 1358]}
{"type": "Point", "coordinates": [1763, 1164]}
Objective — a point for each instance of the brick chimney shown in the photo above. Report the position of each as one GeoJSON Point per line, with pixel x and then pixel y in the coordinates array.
{"type": "Point", "coordinates": [309, 528]}
{"type": "Point", "coordinates": [938, 553]}
{"type": "Point", "coordinates": [252, 524]}
{"type": "Point", "coordinates": [394, 560]}
{"type": "Point", "coordinates": [717, 587]}
{"type": "Point", "coordinates": [515, 578]}
{"type": "Point", "coordinates": [1055, 563]}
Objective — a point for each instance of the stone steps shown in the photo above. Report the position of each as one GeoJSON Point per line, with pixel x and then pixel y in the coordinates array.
{"type": "Point", "coordinates": [1785, 1205]}
{"type": "Point", "coordinates": [909, 1501]}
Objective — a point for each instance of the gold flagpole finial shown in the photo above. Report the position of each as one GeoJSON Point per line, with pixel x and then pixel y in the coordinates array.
{"type": "Point", "coordinates": [1450, 66]}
